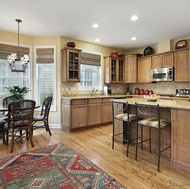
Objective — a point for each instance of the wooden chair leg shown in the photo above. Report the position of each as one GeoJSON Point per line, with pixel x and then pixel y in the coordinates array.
{"type": "Point", "coordinates": [46, 123]}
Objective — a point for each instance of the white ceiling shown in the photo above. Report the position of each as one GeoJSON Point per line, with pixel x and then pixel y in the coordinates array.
{"type": "Point", "coordinates": [159, 20]}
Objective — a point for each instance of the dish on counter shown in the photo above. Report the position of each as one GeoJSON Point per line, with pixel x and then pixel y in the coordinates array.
{"type": "Point", "coordinates": [151, 98]}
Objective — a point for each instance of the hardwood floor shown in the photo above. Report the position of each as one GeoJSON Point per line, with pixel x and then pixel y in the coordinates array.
{"type": "Point", "coordinates": [95, 144]}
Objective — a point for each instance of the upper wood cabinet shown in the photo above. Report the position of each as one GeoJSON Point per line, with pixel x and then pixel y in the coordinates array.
{"type": "Point", "coordinates": [114, 69]}
{"type": "Point", "coordinates": [130, 68]}
{"type": "Point", "coordinates": [71, 64]}
{"type": "Point", "coordinates": [144, 68]}
{"type": "Point", "coordinates": [164, 60]}
{"type": "Point", "coordinates": [181, 65]}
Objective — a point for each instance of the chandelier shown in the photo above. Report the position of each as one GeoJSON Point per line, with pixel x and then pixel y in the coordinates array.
{"type": "Point", "coordinates": [15, 64]}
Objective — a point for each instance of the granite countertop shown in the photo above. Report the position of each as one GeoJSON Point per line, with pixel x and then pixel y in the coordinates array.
{"type": "Point", "coordinates": [116, 96]}
{"type": "Point", "coordinates": [94, 96]}
{"type": "Point", "coordinates": [162, 102]}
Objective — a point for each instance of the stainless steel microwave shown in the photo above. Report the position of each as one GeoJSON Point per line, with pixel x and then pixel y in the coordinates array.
{"type": "Point", "coordinates": [162, 74]}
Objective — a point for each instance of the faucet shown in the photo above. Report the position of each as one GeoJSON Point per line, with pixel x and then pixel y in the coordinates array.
{"type": "Point", "coordinates": [94, 91]}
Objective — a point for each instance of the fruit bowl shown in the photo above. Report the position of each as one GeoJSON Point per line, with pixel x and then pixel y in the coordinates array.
{"type": "Point", "coordinates": [151, 98]}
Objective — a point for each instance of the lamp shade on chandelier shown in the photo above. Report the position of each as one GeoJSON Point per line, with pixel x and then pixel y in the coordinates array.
{"type": "Point", "coordinates": [15, 64]}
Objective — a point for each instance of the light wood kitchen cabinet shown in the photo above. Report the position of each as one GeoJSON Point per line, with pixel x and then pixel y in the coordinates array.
{"type": "Point", "coordinates": [94, 111]}
{"type": "Point", "coordinates": [71, 64]}
{"type": "Point", "coordinates": [74, 113]}
{"type": "Point", "coordinates": [164, 60]}
{"type": "Point", "coordinates": [86, 112]}
{"type": "Point", "coordinates": [144, 68]}
{"type": "Point", "coordinates": [130, 68]}
{"type": "Point", "coordinates": [181, 60]}
{"type": "Point", "coordinates": [114, 69]}
{"type": "Point", "coordinates": [181, 135]}
{"type": "Point", "coordinates": [107, 110]}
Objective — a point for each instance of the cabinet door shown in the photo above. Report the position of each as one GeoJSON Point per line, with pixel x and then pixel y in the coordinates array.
{"type": "Point", "coordinates": [114, 70]}
{"type": "Point", "coordinates": [130, 69]}
{"type": "Point", "coordinates": [168, 60]}
{"type": "Point", "coordinates": [71, 64]}
{"type": "Point", "coordinates": [156, 61]}
{"type": "Point", "coordinates": [144, 68]}
{"type": "Point", "coordinates": [79, 116]}
{"type": "Point", "coordinates": [120, 71]}
{"type": "Point", "coordinates": [94, 111]}
{"type": "Point", "coordinates": [182, 66]}
{"type": "Point", "coordinates": [162, 60]}
{"type": "Point", "coordinates": [79, 113]}
{"type": "Point", "coordinates": [107, 110]}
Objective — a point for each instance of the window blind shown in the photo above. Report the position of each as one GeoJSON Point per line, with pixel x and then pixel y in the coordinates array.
{"type": "Point", "coordinates": [90, 59]}
{"type": "Point", "coordinates": [6, 50]}
{"type": "Point", "coordinates": [45, 55]}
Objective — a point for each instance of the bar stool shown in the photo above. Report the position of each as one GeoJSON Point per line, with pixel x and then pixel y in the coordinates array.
{"type": "Point", "coordinates": [152, 120]}
{"type": "Point", "coordinates": [120, 111]}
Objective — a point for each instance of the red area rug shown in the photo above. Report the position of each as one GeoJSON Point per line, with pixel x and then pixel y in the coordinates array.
{"type": "Point", "coordinates": [57, 166]}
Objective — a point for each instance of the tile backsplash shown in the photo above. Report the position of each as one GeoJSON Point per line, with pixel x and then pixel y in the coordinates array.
{"type": "Point", "coordinates": [158, 88]}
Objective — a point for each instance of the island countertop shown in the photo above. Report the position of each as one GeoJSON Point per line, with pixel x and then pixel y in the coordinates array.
{"type": "Point", "coordinates": [178, 104]}
{"type": "Point", "coordinates": [178, 111]}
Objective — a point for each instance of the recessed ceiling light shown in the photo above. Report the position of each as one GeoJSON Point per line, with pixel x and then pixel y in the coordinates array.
{"type": "Point", "coordinates": [133, 38]}
{"type": "Point", "coordinates": [134, 17]}
{"type": "Point", "coordinates": [95, 25]}
{"type": "Point", "coordinates": [97, 40]}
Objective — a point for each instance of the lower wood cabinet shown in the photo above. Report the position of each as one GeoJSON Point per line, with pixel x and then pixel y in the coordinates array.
{"type": "Point", "coordinates": [106, 110]}
{"type": "Point", "coordinates": [94, 113]}
{"type": "Point", "coordinates": [79, 113]}
{"type": "Point", "coordinates": [181, 135]}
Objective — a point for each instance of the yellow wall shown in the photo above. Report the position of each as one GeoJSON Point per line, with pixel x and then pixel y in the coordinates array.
{"type": "Point", "coordinates": [13, 38]}
{"type": "Point", "coordinates": [60, 42]}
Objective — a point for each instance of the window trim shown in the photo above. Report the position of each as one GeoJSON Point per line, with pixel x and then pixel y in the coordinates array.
{"type": "Point", "coordinates": [53, 108]}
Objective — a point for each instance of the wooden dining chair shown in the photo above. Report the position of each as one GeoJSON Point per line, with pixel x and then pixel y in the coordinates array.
{"type": "Point", "coordinates": [44, 116]}
{"type": "Point", "coordinates": [6, 102]}
{"type": "Point", "coordinates": [19, 125]}
{"type": "Point", "coordinates": [2, 130]}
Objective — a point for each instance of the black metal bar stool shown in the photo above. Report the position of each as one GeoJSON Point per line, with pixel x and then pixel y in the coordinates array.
{"type": "Point", "coordinates": [120, 112]}
{"type": "Point", "coordinates": [152, 120]}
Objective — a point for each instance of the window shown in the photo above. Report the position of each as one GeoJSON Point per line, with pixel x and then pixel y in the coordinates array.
{"type": "Point", "coordinates": [8, 78]}
{"type": "Point", "coordinates": [45, 74]}
{"type": "Point", "coordinates": [90, 71]}
{"type": "Point", "coordinates": [90, 76]}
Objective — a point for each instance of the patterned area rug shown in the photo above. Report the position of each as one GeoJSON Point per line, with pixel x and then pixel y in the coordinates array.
{"type": "Point", "coordinates": [57, 166]}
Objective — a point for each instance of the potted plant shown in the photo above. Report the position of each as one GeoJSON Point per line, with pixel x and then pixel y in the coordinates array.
{"type": "Point", "coordinates": [17, 93]}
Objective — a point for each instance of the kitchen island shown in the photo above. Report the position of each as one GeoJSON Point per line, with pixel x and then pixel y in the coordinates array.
{"type": "Point", "coordinates": [178, 112]}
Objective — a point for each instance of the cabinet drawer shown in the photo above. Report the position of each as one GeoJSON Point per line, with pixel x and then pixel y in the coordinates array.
{"type": "Point", "coordinates": [79, 102]}
{"type": "Point", "coordinates": [107, 100]}
{"type": "Point", "coordinates": [94, 101]}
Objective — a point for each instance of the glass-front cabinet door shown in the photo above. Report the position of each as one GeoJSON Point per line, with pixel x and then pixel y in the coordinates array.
{"type": "Point", "coordinates": [120, 70]}
{"type": "Point", "coordinates": [71, 64]}
{"type": "Point", "coordinates": [114, 69]}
